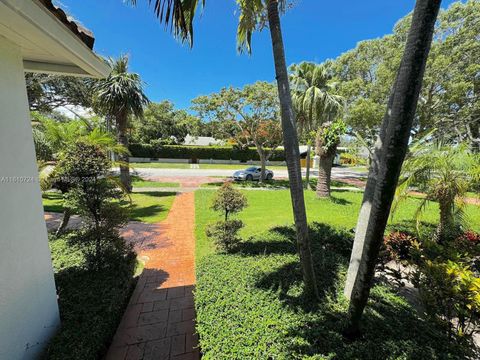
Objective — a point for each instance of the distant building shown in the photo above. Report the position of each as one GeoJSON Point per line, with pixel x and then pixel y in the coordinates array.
{"type": "Point", "coordinates": [202, 141]}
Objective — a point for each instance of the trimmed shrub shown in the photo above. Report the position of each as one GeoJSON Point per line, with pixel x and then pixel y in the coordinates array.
{"type": "Point", "coordinates": [227, 201]}
{"type": "Point", "coordinates": [225, 234]}
{"type": "Point", "coordinates": [200, 152]}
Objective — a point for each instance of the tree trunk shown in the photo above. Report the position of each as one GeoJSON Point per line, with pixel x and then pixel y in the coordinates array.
{"type": "Point", "coordinates": [63, 225]}
{"type": "Point", "coordinates": [124, 159]}
{"type": "Point", "coordinates": [388, 159]}
{"type": "Point", "coordinates": [292, 151]}
{"type": "Point", "coordinates": [263, 163]}
{"type": "Point", "coordinates": [446, 222]}
{"type": "Point", "coordinates": [325, 173]}
{"type": "Point", "coordinates": [307, 173]}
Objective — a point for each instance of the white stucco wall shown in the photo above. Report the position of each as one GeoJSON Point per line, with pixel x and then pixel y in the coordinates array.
{"type": "Point", "coordinates": [28, 305]}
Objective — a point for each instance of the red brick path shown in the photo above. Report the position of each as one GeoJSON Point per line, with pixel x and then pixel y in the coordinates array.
{"type": "Point", "coordinates": [159, 320]}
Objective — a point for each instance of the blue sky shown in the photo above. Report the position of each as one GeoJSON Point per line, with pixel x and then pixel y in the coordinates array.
{"type": "Point", "coordinates": [314, 30]}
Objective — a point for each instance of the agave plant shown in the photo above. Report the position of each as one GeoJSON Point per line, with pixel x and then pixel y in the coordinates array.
{"type": "Point", "coordinates": [445, 173]}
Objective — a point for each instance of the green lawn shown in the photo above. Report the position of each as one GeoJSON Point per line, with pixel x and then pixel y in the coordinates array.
{"type": "Point", "coordinates": [272, 184]}
{"type": "Point", "coordinates": [273, 208]}
{"type": "Point", "coordinates": [148, 207]}
{"type": "Point", "coordinates": [138, 182]}
{"type": "Point", "coordinates": [250, 303]}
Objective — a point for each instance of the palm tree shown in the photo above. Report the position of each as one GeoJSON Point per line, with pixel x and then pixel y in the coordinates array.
{"type": "Point", "coordinates": [390, 150]}
{"type": "Point", "coordinates": [445, 174]}
{"type": "Point", "coordinates": [254, 14]}
{"type": "Point", "coordinates": [120, 96]}
{"type": "Point", "coordinates": [314, 104]}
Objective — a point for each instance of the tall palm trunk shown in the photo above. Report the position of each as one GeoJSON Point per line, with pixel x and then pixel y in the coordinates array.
{"type": "Point", "coordinates": [307, 172]}
{"type": "Point", "coordinates": [121, 119]}
{"type": "Point", "coordinates": [324, 166]}
{"type": "Point", "coordinates": [388, 159]}
{"type": "Point", "coordinates": [292, 151]}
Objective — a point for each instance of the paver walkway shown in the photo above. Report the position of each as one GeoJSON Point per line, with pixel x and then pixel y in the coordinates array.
{"type": "Point", "coordinates": [159, 322]}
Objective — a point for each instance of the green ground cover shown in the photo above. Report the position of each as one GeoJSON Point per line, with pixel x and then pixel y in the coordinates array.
{"type": "Point", "coordinates": [148, 207]}
{"type": "Point", "coordinates": [272, 184]}
{"type": "Point", "coordinates": [250, 303]}
{"type": "Point", "coordinates": [91, 302]}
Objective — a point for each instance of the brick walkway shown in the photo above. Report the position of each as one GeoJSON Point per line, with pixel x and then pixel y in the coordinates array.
{"type": "Point", "coordinates": [159, 320]}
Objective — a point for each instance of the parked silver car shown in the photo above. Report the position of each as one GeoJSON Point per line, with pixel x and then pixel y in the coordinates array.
{"type": "Point", "coordinates": [252, 173]}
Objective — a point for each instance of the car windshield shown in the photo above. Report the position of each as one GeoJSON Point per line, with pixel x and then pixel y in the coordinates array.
{"type": "Point", "coordinates": [253, 168]}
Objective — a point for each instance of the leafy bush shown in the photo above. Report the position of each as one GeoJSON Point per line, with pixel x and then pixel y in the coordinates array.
{"type": "Point", "coordinates": [200, 152]}
{"type": "Point", "coordinates": [398, 245]}
{"type": "Point", "coordinates": [225, 234]}
{"type": "Point", "coordinates": [93, 196]}
{"type": "Point", "coordinates": [91, 302]}
{"type": "Point", "coordinates": [227, 201]}
{"type": "Point", "coordinates": [451, 294]}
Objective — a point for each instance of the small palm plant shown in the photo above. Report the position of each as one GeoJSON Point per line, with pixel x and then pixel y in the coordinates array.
{"type": "Point", "coordinates": [445, 174]}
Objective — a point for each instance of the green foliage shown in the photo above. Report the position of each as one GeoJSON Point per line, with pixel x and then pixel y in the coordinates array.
{"type": "Point", "coordinates": [228, 200]}
{"type": "Point", "coordinates": [445, 173]}
{"type": "Point", "coordinates": [162, 123]}
{"type": "Point", "coordinates": [248, 116]}
{"type": "Point", "coordinates": [201, 152]}
{"type": "Point", "coordinates": [313, 96]}
{"type": "Point", "coordinates": [91, 194]}
{"type": "Point", "coordinates": [449, 95]}
{"type": "Point", "coordinates": [330, 133]}
{"type": "Point", "coordinates": [91, 302]}
{"type": "Point", "coordinates": [225, 234]}
{"type": "Point", "coordinates": [450, 292]}
{"type": "Point", "coordinates": [121, 93]}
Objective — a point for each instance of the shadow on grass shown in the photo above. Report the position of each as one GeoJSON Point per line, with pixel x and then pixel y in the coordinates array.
{"type": "Point", "coordinates": [139, 211]}
{"type": "Point", "coordinates": [392, 329]}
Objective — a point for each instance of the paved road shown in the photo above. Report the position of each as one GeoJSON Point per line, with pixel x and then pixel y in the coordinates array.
{"type": "Point", "coordinates": [337, 173]}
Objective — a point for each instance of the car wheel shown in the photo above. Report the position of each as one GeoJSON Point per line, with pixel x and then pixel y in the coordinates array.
{"type": "Point", "coordinates": [249, 178]}
{"type": "Point", "coordinates": [269, 177]}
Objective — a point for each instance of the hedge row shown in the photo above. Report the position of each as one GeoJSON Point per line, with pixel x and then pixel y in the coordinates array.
{"type": "Point", "coordinates": [199, 152]}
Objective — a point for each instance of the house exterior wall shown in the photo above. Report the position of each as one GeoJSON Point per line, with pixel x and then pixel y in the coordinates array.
{"type": "Point", "coordinates": [28, 302]}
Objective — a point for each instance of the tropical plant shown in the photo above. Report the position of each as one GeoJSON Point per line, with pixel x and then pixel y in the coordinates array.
{"type": "Point", "coordinates": [228, 200]}
{"type": "Point", "coordinates": [58, 138]}
{"type": "Point", "coordinates": [445, 173]}
{"type": "Point", "coordinates": [255, 15]}
{"type": "Point", "coordinates": [327, 140]}
{"type": "Point", "coordinates": [313, 99]}
{"type": "Point", "coordinates": [388, 157]}
{"type": "Point", "coordinates": [450, 292]}
{"type": "Point", "coordinates": [120, 96]}
{"type": "Point", "coordinates": [94, 195]}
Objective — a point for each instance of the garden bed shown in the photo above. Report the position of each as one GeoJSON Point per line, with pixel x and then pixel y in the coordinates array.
{"type": "Point", "coordinates": [91, 302]}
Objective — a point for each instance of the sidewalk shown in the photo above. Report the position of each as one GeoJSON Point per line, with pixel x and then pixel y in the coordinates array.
{"type": "Point", "coordinates": [159, 322]}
